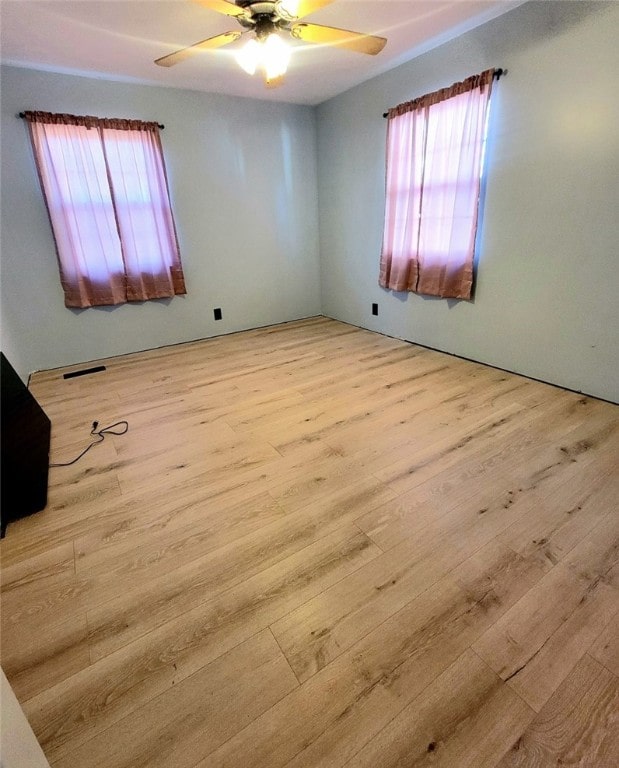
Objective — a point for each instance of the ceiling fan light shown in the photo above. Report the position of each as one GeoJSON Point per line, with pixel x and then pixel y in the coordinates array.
{"type": "Point", "coordinates": [275, 56]}
{"type": "Point", "coordinates": [249, 56]}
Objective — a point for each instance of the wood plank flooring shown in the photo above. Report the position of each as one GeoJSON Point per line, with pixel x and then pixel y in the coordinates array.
{"type": "Point", "coordinates": [317, 546]}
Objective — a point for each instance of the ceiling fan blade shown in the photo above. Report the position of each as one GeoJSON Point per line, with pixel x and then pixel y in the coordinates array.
{"type": "Point", "coordinates": [203, 45]}
{"type": "Point", "coordinates": [297, 9]}
{"type": "Point", "coordinates": [354, 41]}
{"type": "Point", "coordinates": [222, 6]}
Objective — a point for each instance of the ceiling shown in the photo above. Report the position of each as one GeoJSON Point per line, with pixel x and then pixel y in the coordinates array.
{"type": "Point", "coordinates": [119, 40]}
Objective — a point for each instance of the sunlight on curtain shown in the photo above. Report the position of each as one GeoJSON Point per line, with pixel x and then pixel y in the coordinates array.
{"type": "Point", "coordinates": [145, 223]}
{"type": "Point", "coordinates": [435, 148]}
{"type": "Point", "coordinates": [106, 192]}
{"type": "Point", "coordinates": [72, 172]}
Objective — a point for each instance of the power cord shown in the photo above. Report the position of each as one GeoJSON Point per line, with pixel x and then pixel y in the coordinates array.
{"type": "Point", "coordinates": [100, 434]}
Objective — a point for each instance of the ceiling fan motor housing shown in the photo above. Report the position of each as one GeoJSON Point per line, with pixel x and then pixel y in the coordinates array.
{"type": "Point", "coordinates": [264, 18]}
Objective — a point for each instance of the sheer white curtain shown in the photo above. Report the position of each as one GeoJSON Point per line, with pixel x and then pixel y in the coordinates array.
{"type": "Point", "coordinates": [435, 150]}
{"type": "Point", "coordinates": [144, 216]}
{"type": "Point", "coordinates": [105, 188]}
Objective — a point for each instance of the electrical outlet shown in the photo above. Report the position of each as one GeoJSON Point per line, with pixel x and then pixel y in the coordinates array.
{"type": "Point", "coordinates": [374, 309]}
{"type": "Point", "coordinates": [217, 313]}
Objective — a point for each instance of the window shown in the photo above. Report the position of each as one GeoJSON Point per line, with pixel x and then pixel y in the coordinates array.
{"type": "Point", "coordinates": [106, 192]}
{"type": "Point", "coordinates": [435, 147]}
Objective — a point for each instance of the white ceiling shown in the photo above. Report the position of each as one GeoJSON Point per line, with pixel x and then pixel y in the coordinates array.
{"type": "Point", "coordinates": [119, 39]}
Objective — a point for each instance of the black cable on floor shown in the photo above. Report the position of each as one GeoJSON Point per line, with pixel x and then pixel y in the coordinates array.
{"type": "Point", "coordinates": [100, 434]}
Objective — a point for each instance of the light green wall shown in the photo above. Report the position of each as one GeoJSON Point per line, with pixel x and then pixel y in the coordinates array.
{"type": "Point", "coordinates": [546, 299]}
{"type": "Point", "coordinates": [243, 183]}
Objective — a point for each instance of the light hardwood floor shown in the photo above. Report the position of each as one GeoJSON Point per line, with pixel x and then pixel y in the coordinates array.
{"type": "Point", "coordinates": [319, 546]}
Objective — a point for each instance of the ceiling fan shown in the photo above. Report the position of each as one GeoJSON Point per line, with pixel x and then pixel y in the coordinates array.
{"type": "Point", "coordinates": [266, 50]}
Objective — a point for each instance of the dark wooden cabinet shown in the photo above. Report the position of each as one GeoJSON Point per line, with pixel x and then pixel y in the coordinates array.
{"type": "Point", "coordinates": [25, 435]}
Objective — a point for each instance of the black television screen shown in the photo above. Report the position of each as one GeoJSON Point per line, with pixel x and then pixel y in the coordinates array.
{"type": "Point", "coordinates": [25, 435]}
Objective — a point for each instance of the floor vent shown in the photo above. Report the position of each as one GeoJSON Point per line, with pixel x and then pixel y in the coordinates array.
{"type": "Point", "coordinates": [84, 372]}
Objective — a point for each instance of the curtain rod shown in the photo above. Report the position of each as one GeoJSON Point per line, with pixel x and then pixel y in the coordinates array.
{"type": "Point", "coordinates": [498, 73]}
{"type": "Point", "coordinates": [23, 114]}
